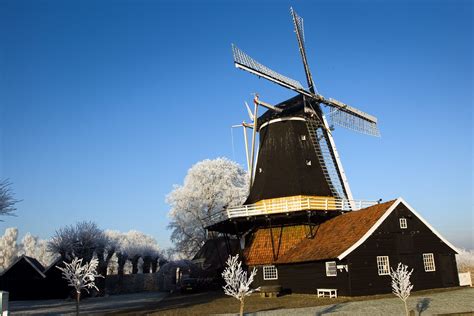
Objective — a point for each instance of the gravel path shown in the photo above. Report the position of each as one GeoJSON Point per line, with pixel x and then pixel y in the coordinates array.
{"type": "Point", "coordinates": [458, 301]}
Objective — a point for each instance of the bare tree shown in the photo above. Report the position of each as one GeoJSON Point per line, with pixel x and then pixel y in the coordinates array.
{"type": "Point", "coordinates": [209, 186]}
{"type": "Point", "coordinates": [401, 285]}
{"type": "Point", "coordinates": [237, 284]}
{"type": "Point", "coordinates": [80, 276]}
{"type": "Point", "coordinates": [7, 200]}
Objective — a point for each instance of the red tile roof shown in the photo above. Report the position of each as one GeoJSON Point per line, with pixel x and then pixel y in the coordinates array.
{"type": "Point", "coordinates": [327, 240]}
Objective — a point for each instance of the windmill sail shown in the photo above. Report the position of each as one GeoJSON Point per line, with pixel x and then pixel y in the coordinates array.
{"type": "Point", "coordinates": [299, 30]}
{"type": "Point", "coordinates": [245, 62]}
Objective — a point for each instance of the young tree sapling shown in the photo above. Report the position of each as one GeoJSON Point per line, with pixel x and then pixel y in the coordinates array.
{"type": "Point", "coordinates": [401, 285]}
{"type": "Point", "coordinates": [237, 284]}
{"type": "Point", "coordinates": [80, 277]}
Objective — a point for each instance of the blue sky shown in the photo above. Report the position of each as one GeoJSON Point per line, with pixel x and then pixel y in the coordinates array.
{"type": "Point", "coordinates": [105, 105]}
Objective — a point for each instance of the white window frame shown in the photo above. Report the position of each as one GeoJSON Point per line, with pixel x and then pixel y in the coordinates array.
{"type": "Point", "coordinates": [403, 223]}
{"type": "Point", "coordinates": [383, 265]}
{"type": "Point", "coordinates": [429, 262]}
{"type": "Point", "coordinates": [270, 273]}
{"type": "Point", "coordinates": [331, 271]}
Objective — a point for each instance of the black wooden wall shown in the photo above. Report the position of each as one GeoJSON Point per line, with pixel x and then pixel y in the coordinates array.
{"type": "Point", "coordinates": [306, 278]}
{"type": "Point", "coordinates": [401, 245]}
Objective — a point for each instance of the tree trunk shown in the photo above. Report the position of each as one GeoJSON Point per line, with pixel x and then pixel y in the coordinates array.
{"type": "Point", "coordinates": [406, 308]}
{"type": "Point", "coordinates": [242, 307]}
{"type": "Point", "coordinates": [122, 259]}
{"type": "Point", "coordinates": [146, 264]}
{"type": "Point", "coordinates": [135, 264]}
{"type": "Point", "coordinates": [78, 298]}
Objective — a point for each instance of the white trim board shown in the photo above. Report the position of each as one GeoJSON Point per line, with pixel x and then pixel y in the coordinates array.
{"type": "Point", "coordinates": [293, 118]}
{"type": "Point", "coordinates": [383, 218]}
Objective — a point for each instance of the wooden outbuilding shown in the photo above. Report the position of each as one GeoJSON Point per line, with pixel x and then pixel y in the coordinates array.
{"type": "Point", "coordinates": [352, 253]}
{"type": "Point", "coordinates": [23, 279]}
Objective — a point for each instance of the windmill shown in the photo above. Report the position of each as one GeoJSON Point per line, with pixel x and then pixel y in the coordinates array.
{"type": "Point", "coordinates": [297, 171]}
{"type": "Point", "coordinates": [306, 108]}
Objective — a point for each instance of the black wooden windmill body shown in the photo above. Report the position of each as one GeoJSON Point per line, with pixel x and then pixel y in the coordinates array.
{"type": "Point", "coordinates": [298, 171]}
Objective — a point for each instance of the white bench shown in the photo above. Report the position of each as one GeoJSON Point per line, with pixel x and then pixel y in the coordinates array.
{"type": "Point", "coordinates": [332, 293]}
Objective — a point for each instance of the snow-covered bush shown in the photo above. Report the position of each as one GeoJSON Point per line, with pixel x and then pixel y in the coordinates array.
{"type": "Point", "coordinates": [465, 260]}
{"type": "Point", "coordinates": [401, 285]}
{"type": "Point", "coordinates": [237, 284]}
{"type": "Point", "coordinates": [80, 276]}
{"type": "Point", "coordinates": [209, 186]}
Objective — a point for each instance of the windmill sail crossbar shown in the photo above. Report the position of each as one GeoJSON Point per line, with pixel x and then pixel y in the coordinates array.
{"type": "Point", "coordinates": [245, 62]}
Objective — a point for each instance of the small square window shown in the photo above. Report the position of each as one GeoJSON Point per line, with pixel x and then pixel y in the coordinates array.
{"type": "Point", "coordinates": [331, 269]}
{"type": "Point", "coordinates": [270, 273]}
{"type": "Point", "coordinates": [383, 265]}
{"type": "Point", "coordinates": [403, 223]}
{"type": "Point", "coordinates": [428, 262]}
{"type": "Point", "coordinates": [303, 137]}
{"type": "Point", "coordinates": [308, 162]}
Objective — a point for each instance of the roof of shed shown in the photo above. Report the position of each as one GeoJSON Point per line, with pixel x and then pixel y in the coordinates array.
{"type": "Point", "coordinates": [303, 243]}
{"type": "Point", "coordinates": [37, 266]}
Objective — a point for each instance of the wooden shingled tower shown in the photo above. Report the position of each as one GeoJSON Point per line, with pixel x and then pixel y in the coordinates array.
{"type": "Point", "coordinates": [297, 175]}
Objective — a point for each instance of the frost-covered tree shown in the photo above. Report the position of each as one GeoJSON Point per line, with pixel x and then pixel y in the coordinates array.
{"type": "Point", "coordinates": [132, 246]}
{"type": "Point", "coordinates": [7, 200]}
{"type": "Point", "coordinates": [80, 240]}
{"type": "Point", "coordinates": [236, 282]}
{"type": "Point", "coordinates": [83, 240]}
{"type": "Point", "coordinates": [8, 248]}
{"type": "Point", "coordinates": [465, 260]}
{"type": "Point", "coordinates": [34, 247]}
{"type": "Point", "coordinates": [112, 266]}
{"type": "Point", "coordinates": [127, 267]}
{"type": "Point", "coordinates": [209, 186]}
{"type": "Point", "coordinates": [80, 276]}
{"type": "Point", "coordinates": [401, 285]}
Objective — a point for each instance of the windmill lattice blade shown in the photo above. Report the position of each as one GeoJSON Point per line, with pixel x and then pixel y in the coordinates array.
{"type": "Point", "coordinates": [245, 62]}
{"type": "Point", "coordinates": [353, 122]}
{"type": "Point", "coordinates": [299, 30]}
{"type": "Point", "coordinates": [298, 21]}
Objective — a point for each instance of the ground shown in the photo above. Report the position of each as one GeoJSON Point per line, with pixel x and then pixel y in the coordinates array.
{"type": "Point", "coordinates": [431, 302]}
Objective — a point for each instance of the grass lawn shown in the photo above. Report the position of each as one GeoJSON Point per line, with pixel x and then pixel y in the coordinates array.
{"type": "Point", "coordinates": [207, 303]}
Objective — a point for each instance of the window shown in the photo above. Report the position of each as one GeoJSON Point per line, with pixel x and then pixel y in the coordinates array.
{"type": "Point", "coordinates": [383, 266]}
{"type": "Point", "coordinates": [308, 162]}
{"type": "Point", "coordinates": [403, 223]}
{"type": "Point", "coordinates": [303, 137]}
{"type": "Point", "coordinates": [428, 262]}
{"type": "Point", "coordinates": [331, 269]}
{"type": "Point", "coordinates": [270, 273]}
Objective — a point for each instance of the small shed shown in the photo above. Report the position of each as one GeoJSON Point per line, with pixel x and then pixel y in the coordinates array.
{"type": "Point", "coordinates": [353, 253]}
{"type": "Point", "coordinates": [24, 279]}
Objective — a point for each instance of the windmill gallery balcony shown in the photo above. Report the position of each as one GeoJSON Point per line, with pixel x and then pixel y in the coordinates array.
{"type": "Point", "coordinates": [289, 205]}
